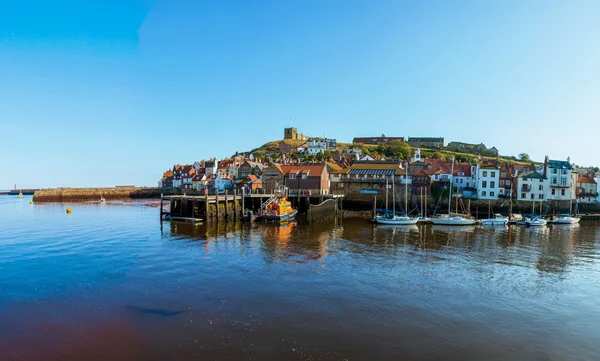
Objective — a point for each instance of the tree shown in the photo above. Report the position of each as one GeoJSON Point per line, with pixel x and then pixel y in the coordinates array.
{"type": "Point", "coordinates": [524, 157]}
{"type": "Point", "coordinates": [397, 149]}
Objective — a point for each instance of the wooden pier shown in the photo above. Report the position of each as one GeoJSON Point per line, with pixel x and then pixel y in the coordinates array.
{"type": "Point", "coordinates": [195, 208]}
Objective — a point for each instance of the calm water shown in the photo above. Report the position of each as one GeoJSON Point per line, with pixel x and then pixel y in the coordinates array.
{"type": "Point", "coordinates": [109, 282]}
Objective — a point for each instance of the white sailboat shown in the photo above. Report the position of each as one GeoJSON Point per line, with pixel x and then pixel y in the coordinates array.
{"type": "Point", "coordinates": [449, 220]}
{"type": "Point", "coordinates": [497, 220]}
{"type": "Point", "coordinates": [20, 194]}
{"type": "Point", "coordinates": [393, 218]}
{"type": "Point", "coordinates": [566, 219]}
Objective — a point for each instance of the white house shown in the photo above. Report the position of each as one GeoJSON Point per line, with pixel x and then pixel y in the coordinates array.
{"type": "Point", "coordinates": [487, 181]}
{"type": "Point", "coordinates": [560, 177]}
{"type": "Point", "coordinates": [199, 182]}
{"type": "Point", "coordinates": [462, 177]}
{"type": "Point", "coordinates": [318, 145]}
{"type": "Point", "coordinates": [532, 187]}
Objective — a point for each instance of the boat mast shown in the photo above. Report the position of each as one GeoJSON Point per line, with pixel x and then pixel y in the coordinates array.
{"type": "Point", "coordinates": [450, 192]}
{"type": "Point", "coordinates": [394, 195]}
{"type": "Point", "coordinates": [406, 193]}
{"type": "Point", "coordinates": [386, 193]}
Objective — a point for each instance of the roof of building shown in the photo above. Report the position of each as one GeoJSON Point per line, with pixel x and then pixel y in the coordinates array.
{"type": "Point", "coordinates": [313, 169]}
{"type": "Point", "coordinates": [376, 168]}
{"type": "Point", "coordinates": [464, 168]}
{"type": "Point", "coordinates": [585, 179]}
{"type": "Point", "coordinates": [437, 164]}
{"type": "Point", "coordinates": [332, 167]}
{"type": "Point", "coordinates": [559, 164]}
{"type": "Point", "coordinates": [531, 174]}
{"type": "Point", "coordinates": [425, 139]}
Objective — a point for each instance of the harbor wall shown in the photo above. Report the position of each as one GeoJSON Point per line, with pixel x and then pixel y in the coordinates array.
{"type": "Point", "coordinates": [88, 194]}
{"type": "Point", "coordinates": [323, 211]}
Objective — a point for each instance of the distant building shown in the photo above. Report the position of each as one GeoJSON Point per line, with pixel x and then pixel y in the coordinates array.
{"type": "Point", "coordinates": [425, 142]}
{"type": "Point", "coordinates": [315, 146]}
{"type": "Point", "coordinates": [292, 134]}
{"type": "Point", "coordinates": [376, 140]}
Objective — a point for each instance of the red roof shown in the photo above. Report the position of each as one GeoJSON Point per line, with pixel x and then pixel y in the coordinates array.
{"type": "Point", "coordinates": [462, 168]}
{"type": "Point", "coordinates": [585, 179]}
{"type": "Point", "coordinates": [315, 169]}
{"type": "Point", "coordinates": [438, 164]}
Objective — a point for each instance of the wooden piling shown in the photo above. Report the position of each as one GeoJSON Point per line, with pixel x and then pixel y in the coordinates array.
{"type": "Point", "coordinates": [226, 205]}
{"type": "Point", "coordinates": [217, 204]}
{"type": "Point", "coordinates": [235, 210]}
{"type": "Point", "coordinates": [374, 207]}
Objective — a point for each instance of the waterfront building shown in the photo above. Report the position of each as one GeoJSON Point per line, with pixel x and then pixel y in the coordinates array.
{"type": "Point", "coordinates": [531, 186]}
{"type": "Point", "coordinates": [487, 180]}
{"type": "Point", "coordinates": [462, 178]}
{"type": "Point", "coordinates": [364, 180]}
{"type": "Point", "coordinates": [560, 177]}
{"type": "Point", "coordinates": [587, 189]}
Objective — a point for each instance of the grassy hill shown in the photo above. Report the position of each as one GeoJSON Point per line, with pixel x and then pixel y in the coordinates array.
{"type": "Point", "coordinates": [273, 147]}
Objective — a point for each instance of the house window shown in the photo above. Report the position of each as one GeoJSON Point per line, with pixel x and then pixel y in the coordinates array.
{"type": "Point", "coordinates": [492, 184]}
{"type": "Point", "coordinates": [541, 187]}
{"type": "Point", "coordinates": [541, 196]}
{"type": "Point", "coordinates": [562, 192]}
{"type": "Point", "coordinates": [304, 176]}
{"type": "Point", "coordinates": [522, 195]}
{"type": "Point", "coordinates": [554, 171]}
{"type": "Point", "coordinates": [483, 193]}
{"type": "Point", "coordinates": [292, 176]}
{"type": "Point", "coordinates": [461, 181]}
{"type": "Point", "coordinates": [493, 174]}
{"type": "Point", "coordinates": [553, 180]}
{"type": "Point", "coordinates": [563, 181]}
{"type": "Point", "coordinates": [564, 171]}
{"type": "Point", "coordinates": [484, 184]}
{"type": "Point", "coordinates": [485, 173]}
{"type": "Point", "coordinates": [531, 195]}
{"type": "Point", "coordinates": [554, 192]}
{"type": "Point", "coordinates": [491, 194]}
{"type": "Point", "coordinates": [503, 174]}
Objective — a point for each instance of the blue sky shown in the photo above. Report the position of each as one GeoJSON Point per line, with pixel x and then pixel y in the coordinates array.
{"type": "Point", "coordinates": [101, 93]}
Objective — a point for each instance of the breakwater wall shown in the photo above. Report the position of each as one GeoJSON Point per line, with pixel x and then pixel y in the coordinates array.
{"type": "Point", "coordinates": [89, 194]}
{"type": "Point", "coordinates": [326, 210]}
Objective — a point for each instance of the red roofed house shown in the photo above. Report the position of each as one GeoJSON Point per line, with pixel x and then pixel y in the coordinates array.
{"type": "Point", "coordinates": [586, 189]}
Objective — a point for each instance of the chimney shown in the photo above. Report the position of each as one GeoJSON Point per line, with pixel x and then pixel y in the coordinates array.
{"type": "Point", "coordinates": [545, 166]}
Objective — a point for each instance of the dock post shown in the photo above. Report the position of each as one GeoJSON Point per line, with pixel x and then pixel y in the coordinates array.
{"type": "Point", "coordinates": [217, 203]}
{"type": "Point", "coordinates": [243, 205]}
{"type": "Point", "coordinates": [234, 204]}
{"type": "Point", "coordinates": [161, 206]}
{"type": "Point", "coordinates": [374, 207]}
{"type": "Point", "coordinates": [226, 205]}
{"type": "Point", "coordinates": [206, 208]}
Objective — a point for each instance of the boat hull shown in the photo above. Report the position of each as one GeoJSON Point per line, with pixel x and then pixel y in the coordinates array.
{"type": "Point", "coordinates": [452, 221]}
{"type": "Point", "coordinates": [494, 222]}
{"type": "Point", "coordinates": [397, 221]}
{"type": "Point", "coordinates": [568, 220]}
{"type": "Point", "coordinates": [268, 218]}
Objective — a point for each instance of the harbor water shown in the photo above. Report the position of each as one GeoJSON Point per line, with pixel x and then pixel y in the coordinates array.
{"type": "Point", "coordinates": [109, 281]}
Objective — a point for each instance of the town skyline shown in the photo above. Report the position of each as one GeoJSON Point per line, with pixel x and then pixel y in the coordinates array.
{"type": "Point", "coordinates": [107, 93]}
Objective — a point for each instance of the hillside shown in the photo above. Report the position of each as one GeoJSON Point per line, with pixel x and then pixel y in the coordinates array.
{"type": "Point", "coordinates": [273, 147]}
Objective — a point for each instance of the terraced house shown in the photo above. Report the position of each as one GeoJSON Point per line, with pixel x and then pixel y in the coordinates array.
{"type": "Point", "coordinates": [560, 176]}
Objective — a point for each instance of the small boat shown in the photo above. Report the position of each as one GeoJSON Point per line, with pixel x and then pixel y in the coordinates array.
{"type": "Point", "coordinates": [102, 200]}
{"type": "Point", "coordinates": [277, 210]}
{"type": "Point", "coordinates": [535, 222]}
{"type": "Point", "coordinates": [452, 221]}
{"type": "Point", "coordinates": [20, 194]}
{"type": "Point", "coordinates": [565, 220]}
{"type": "Point", "coordinates": [393, 219]}
{"type": "Point", "coordinates": [498, 220]}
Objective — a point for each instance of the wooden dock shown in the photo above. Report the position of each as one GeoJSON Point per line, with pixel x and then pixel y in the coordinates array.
{"type": "Point", "coordinates": [195, 209]}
